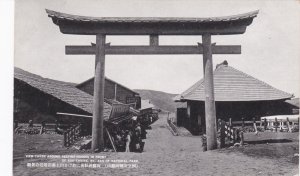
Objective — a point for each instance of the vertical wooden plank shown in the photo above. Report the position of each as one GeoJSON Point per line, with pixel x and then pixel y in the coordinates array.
{"type": "Point", "coordinates": [222, 134]}
{"type": "Point", "coordinates": [210, 109]}
{"type": "Point", "coordinates": [97, 128]}
{"type": "Point", "coordinates": [154, 40]}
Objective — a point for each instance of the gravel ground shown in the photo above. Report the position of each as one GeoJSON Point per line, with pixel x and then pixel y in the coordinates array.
{"type": "Point", "coordinates": [165, 154]}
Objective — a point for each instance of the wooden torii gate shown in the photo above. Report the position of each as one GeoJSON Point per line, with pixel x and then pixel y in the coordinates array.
{"type": "Point", "coordinates": [82, 25]}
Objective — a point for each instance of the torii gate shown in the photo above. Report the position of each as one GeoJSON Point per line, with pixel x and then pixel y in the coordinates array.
{"type": "Point", "coordinates": [81, 25]}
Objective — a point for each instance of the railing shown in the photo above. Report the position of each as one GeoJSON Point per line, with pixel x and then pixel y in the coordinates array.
{"type": "Point", "coordinates": [72, 135]}
{"type": "Point", "coordinates": [285, 124]}
{"type": "Point", "coordinates": [173, 127]}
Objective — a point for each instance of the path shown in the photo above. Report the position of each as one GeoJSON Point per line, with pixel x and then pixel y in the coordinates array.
{"type": "Point", "coordinates": [170, 155]}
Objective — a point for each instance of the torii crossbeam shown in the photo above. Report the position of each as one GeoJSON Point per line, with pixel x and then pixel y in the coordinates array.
{"type": "Point", "coordinates": [82, 25]}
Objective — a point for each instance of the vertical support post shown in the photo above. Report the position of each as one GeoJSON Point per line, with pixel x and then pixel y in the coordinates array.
{"type": "Point", "coordinates": [115, 95]}
{"type": "Point", "coordinates": [210, 109]}
{"type": "Point", "coordinates": [154, 40]}
{"type": "Point", "coordinates": [230, 122]}
{"type": "Point", "coordinates": [188, 111]}
{"type": "Point", "coordinates": [97, 128]}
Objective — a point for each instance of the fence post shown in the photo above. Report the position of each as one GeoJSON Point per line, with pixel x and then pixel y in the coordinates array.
{"type": "Point", "coordinates": [230, 122]}
{"type": "Point", "coordinates": [276, 124]}
{"type": "Point", "coordinates": [243, 122]}
{"type": "Point", "coordinates": [222, 134]}
{"type": "Point", "coordinates": [234, 135]}
{"type": "Point", "coordinates": [288, 124]}
{"type": "Point", "coordinates": [265, 124]}
{"type": "Point", "coordinates": [260, 123]}
{"type": "Point", "coordinates": [242, 137]}
{"type": "Point", "coordinates": [254, 125]}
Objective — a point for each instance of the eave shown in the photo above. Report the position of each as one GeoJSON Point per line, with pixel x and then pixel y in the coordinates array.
{"type": "Point", "coordinates": [83, 25]}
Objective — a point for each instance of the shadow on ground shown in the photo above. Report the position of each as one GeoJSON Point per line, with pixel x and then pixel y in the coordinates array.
{"type": "Point", "coordinates": [269, 141]}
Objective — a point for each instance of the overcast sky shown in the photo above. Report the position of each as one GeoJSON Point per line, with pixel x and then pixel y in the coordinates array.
{"type": "Point", "coordinates": [270, 46]}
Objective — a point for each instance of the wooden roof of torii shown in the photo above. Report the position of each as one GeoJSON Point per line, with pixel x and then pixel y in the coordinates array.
{"type": "Point", "coordinates": [74, 24]}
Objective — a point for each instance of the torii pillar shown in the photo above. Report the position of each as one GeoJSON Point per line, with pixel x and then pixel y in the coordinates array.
{"type": "Point", "coordinates": [153, 27]}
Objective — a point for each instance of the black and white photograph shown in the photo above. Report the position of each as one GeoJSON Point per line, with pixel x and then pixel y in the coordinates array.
{"type": "Point", "coordinates": [150, 88]}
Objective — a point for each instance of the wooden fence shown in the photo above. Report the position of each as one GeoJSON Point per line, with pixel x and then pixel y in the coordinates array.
{"type": "Point", "coordinates": [268, 124]}
{"type": "Point", "coordinates": [48, 128]}
{"type": "Point", "coordinates": [72, 135]}
{"type": "Point", "coordinates": [172, 126]}
{"type": "Point", "coordinates": [227, 130]}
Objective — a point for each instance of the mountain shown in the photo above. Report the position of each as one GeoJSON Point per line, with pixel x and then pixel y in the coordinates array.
{"type": "Point", "coordinates": [161, 100]}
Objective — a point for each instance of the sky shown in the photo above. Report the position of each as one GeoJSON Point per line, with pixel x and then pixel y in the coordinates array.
{"type": "Point", "coordinates": [270, 46]}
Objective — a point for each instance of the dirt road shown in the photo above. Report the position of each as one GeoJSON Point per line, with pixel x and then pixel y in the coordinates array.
{"type": "Point", "coordinates": [166, 154]}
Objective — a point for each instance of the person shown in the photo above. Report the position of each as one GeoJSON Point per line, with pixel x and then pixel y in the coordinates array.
{"type": "Point", "coordinates": [128, 141]}
{"type": "Point", "coordinates": [30, 123]}
{"type": "Point", "coordinates": [138, 133]}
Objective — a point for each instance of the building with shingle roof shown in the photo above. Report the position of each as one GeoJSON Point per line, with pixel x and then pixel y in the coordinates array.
{"type": "Point", "coordinates": [113, 91]}
{"type": "Point", "coordinates": [48, 96]}
{"type": "Point", "coordinates": [237, 95]}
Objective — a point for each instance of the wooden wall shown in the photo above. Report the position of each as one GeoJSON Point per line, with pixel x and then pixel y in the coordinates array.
{"type": "Point", "coordinates": [122, 94]}
{"type": "Point", "coordinates": [32, 104]}
{"type": "Point", "coordinates": [194, 118]}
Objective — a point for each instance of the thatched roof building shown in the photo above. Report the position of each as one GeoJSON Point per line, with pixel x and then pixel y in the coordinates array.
{"type": "Point", "coordinates": [231, 84]}
{"type": "Point", "coordinates": [237, 95]}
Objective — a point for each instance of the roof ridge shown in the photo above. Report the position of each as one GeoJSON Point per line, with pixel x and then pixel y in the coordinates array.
{"type": "Point", "coordinates": [71, 17]}
{"type": "Point", "coordinates": [202, 80]}
{"type": "Point", "coordinates": [108, 79]}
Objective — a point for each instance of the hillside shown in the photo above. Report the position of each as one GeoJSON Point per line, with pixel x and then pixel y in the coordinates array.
{"type": "Point", "coordinates": [160, 99]}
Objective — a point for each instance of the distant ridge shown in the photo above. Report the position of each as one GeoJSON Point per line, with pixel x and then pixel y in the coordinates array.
{"type": "Point", "coordinates": [159, 99]}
